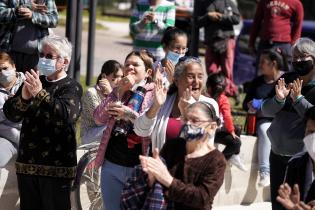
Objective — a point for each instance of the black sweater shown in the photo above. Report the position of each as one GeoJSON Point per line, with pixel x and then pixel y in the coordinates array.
{"type": "Point", "coordinates": [47, 141]}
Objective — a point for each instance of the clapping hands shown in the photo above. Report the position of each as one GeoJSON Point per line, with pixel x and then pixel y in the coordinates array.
{"type": "Point", "coordinates": [32, 85]}
{"type": "Point", "coordinates": [156, 169]}
{"type": "Point", "coordinates": [290, 198]}
{"type": "Point", "coordinates": [283, 90]}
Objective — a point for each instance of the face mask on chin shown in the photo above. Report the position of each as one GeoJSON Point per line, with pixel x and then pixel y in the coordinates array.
{"type": "Point", "coordinates": [46, 66]}
{"type": "Point", "coordinates": [302, 68]}
{"type": "Point", "coordinates": [7, 76]}
{"type": "Point", "coordinates": [309, 142]}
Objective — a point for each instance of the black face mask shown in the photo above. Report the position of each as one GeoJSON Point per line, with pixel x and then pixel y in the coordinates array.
{"type": "Point", "coordinates": [303, 67]}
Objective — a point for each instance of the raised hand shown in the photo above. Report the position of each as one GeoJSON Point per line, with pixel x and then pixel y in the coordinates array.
{"type": "Point", "coordinates": [296, 88]}
{"type": "Point", "coordinates": [184, 100]}
{"type": "Point", "coordinates": [282, 91]}
{"type": "Point", "coordinates": [170, 69]}
{"type": "Point", "coordinates": [287, 197]}
{"type": "Point", "coordinates": [32, 82]}
{"type": "Point", "coordinates": [105, 86]}
{"type": "Point", "coordinates": [160, 92]}
{"type": "Point", "coordinates": [125, 84]}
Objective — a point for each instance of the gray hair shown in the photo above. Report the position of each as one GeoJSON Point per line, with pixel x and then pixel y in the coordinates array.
{"type": "Point", "coordinates": [60, 44]}
{"type": "Point", "coordinates": [181, 67]}
{"type": "Point", "coordinates": [304, 46]}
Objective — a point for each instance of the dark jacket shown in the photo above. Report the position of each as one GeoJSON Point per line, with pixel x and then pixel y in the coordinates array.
{"type": "Point", "coordinates": [222, 29]}
{"type": "Point", "coordinates": [299, 171]}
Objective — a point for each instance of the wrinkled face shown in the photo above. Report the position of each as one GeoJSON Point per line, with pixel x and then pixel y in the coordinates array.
{"type": "Point", "coordinates": [197, 117]}
{"type": "Point", "coordinates": [193, 77]}
{"type": "Point", "coordinates": [265, 65]}
{"type": "Point", "coordinates": [178, 45]}
{"type": "Point", "coordinates": [134, 65]}
{"type": "Point", "coordinates": [114, 78]}
{"type": "Point", "coordinates": [310, 127]}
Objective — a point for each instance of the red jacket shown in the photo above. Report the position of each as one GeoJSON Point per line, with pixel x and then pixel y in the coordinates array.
{"type": "Point", "coordinates": [277, 20]}
{"type": "Point", "coordinates": [225, 111]}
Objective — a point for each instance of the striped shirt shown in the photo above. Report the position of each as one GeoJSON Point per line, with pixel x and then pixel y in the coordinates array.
{"type": "Point", "coordinates": [9, 18]}
{"type": "Point", "coordinates": [148, 36]}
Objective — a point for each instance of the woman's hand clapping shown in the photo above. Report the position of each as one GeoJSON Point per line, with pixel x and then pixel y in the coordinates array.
{"type": "Point", "coordinates": [296, 88]}
{"type": "Point", "coordinates": [282, 91]}
{"type": "Point", "coordinates": [154, 167]}
{"type": "Point", "coordinates": [32, 85]}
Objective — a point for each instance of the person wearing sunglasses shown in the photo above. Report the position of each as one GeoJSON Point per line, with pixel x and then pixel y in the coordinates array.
{"type": "Point", "coordinates": [107, 80]}
{"type": "Point", "coordinates": [193, 169]}
{"type": "Point", "coordinates": [49, 106]}
{"type": "Point", "coordinates": [10, 81]}
{"type": "Point", "coordinates": [165, 124]}
{"type": "Point", "coordinates": [293, 94]}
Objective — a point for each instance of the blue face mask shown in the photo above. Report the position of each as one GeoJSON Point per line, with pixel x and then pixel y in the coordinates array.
{"type": "Point", "coordinates": [191, 132]}
{"type": "Point", "coordinates": [46, 66]}
{"type": "Point", "coordinates": [174, 57]}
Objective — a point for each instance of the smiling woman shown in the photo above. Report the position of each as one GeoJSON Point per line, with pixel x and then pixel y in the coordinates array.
{"type": "Point", "coordinates": [189, 81]}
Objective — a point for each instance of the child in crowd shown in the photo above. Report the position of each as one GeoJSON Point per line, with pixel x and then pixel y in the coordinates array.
{"type": "Point", "coordinates": [174, 43]}
{"type": "Point", "coordinates": [228, 134]}
{"type": "Point", "coordinates": [108, 79]}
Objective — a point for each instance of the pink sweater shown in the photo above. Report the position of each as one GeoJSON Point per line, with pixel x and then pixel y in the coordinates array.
{"type": "Point", "coordinates": [101, 115]}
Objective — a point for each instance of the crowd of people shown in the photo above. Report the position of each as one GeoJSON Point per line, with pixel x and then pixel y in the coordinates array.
{"type": "Point", "coordinates": [160, 115]}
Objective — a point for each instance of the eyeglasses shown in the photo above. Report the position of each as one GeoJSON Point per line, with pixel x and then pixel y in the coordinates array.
{"type": "Point", "coordinates": [196, 121]}
{"type": "Point", "coordinates": [48, 56]}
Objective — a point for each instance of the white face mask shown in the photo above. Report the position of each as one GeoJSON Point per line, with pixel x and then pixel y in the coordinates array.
{"type": "Point", "coordinates": [46, 66]}
{"type": "Point", "coordinates": [7, 76]}
{"type": "Point", "coordinates": [309, 142]}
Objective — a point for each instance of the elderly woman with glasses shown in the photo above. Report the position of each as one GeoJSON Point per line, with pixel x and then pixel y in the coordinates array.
{"type": "Point", "coordinates": [48, 106]}
{"type": "Point", "coordinates": [192, 170]}
{"type": "Point", "coordinates": [165, 124]}
{"type": "Point", "coordinates": [294, 93]}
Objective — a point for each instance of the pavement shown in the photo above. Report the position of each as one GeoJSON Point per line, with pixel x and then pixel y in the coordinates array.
{"type": "Point", "coordinates": [253, 206]}
{"type": "Point", "coordinates": [113, 43]}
